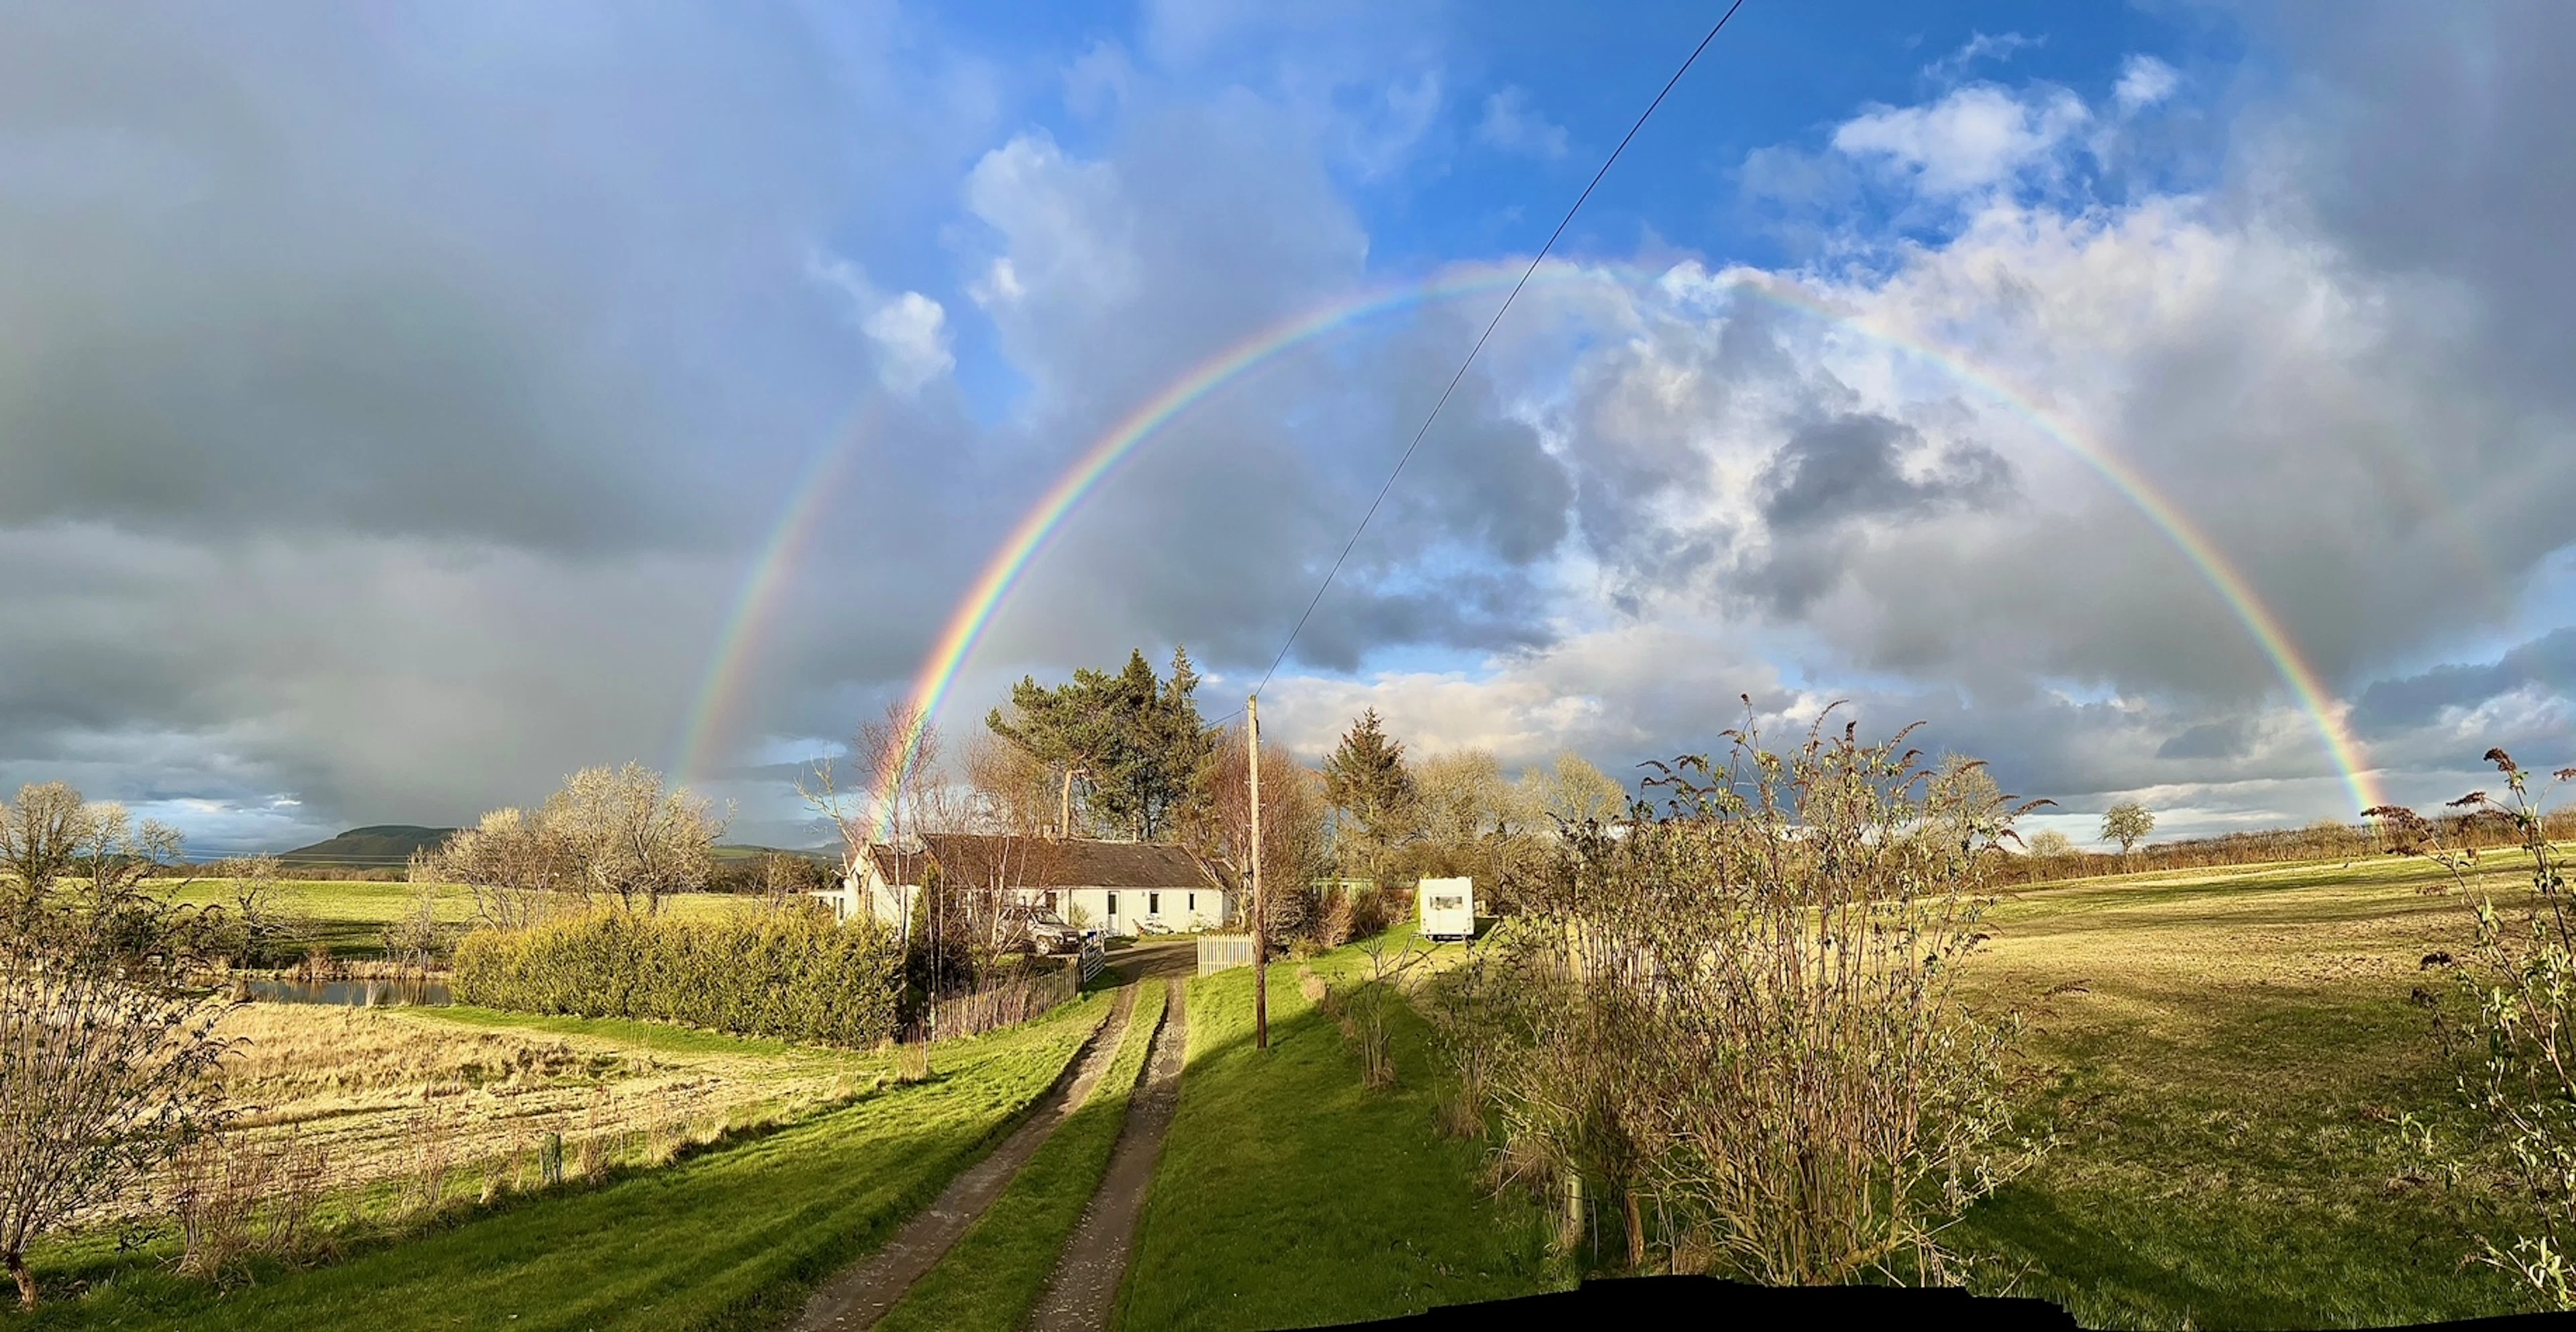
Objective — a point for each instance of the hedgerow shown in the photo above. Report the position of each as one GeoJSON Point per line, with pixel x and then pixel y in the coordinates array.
{"type": "Point", "coordinates": [792, 975]}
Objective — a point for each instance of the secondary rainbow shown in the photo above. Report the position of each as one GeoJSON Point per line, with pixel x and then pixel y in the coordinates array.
{"type": "Point", "coordinates": [756, 603]}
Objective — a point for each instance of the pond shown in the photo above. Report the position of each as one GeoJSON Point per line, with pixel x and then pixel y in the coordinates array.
{"type": "Point", "coordinates": [371, 993]}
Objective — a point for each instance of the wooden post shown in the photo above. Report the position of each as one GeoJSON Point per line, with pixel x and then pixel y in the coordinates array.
{"type": "Point", "coordinates": [1260, 926]}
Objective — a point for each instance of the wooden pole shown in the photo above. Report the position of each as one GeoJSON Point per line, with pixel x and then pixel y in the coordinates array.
{"type": "Point", "coordinates": [1260, 926]}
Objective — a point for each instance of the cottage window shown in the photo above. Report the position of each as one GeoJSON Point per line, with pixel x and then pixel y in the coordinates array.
{"type": "Point", "coordinates": [1153, 904]}
{"type": "Point", "coordinates": [1113, 904]}
{"type": "Point", "coordinates": [1194, 901]}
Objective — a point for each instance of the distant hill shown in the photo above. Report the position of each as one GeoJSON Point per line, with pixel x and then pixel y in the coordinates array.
{"type": "Point", "coordinates": [376, 846]}
{"type": "Point", "coordinates": [830, 855]}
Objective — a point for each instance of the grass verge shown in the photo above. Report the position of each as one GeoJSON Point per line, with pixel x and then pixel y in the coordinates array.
{"type": "Point", "coordinates": [999, 1270]}
{"type": "Point", "coordinates": [1288, 1194]}
{"type": "Point", "coordinates": [731, 1238]}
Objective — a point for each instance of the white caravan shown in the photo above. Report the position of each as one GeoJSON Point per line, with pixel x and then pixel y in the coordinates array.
{"type": "Point", "coordinates": [1446, 908]}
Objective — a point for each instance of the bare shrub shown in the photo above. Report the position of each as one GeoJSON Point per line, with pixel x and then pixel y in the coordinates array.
{"type": "Point", "coordinates": [1363, 1008]}
{"type": "Point", "coordinates": [2518, 1056]}
{"type": "Point", "coordinates": [1739, 1015]}
{"type": "Point", "coordinates": [429, 1157]}
{"type": "Point", "coordinates": [232, 1196]}
{"type": "Point", "coordinates": [912, 1063]}
{"type": "Point", "coordinates": [105, 1048]}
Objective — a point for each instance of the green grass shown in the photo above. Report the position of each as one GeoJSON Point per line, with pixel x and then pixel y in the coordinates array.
{"type": "Point", "coordinates": [2222, 1054]}
{"type": "Point", "coordinates": [1289, 1194]}
{"type": "Point", "coordinates": [734, 1237]}
{"type": "Point", "coordinates": [999, 1270]}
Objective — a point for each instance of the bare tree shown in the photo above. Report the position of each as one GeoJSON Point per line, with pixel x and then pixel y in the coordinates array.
{"type": "Point", "coordinates": [895, 758]}
{"type": "Point", "coordinates": [41, 835]}
{"type": "Point", "coordinates": [1295, 844]}
{"type": "Point", "coordinates": [105, 1046]}
{"type": "Point", "coordinates": [257, 928]}
{"type": "Point", "coordinates": [628, 837]}
{"type": "Point", "coordinates": [514, 866]}
{"type": "Point", "coordinates": [2127, 823]}
{"type": "Point", "coordinates": [1571, 792]}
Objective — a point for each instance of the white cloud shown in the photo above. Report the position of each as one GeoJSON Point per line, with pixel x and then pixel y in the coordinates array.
{"type": "Point", "coordinates": [913, 330]}
{"type": "Point", "coordinates": [2144, 81]}
{"type": "Point", "coordinates": [1511, 126]}
{"type": "Point", "coordinates": [1971, 140]}
{"type": "Point", "coordinates": [1382, 135]}
{"type": "Point", "coordinates": [909, 329]}
{"type": "Point", "coordinates": [1979, 46]}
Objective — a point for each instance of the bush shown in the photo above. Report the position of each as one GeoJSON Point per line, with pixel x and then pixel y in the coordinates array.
{"type": "Point", "coordinates": [796, 975]}
{"type": "Point", "coordinates": [1740, 1018]}
{"type": "Point", "coordinates": [2517, 1053]}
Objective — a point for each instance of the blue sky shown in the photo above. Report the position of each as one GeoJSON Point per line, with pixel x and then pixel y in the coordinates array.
{"type": "Point", "coordinates": [394, 406]}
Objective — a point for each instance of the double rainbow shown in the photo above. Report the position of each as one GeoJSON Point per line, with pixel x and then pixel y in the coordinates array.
{"type": "Point", "coordinates": [967, 625]}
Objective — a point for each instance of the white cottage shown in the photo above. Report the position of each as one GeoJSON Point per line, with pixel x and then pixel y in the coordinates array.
{"type": "Point", "coordinates": [1119, 887]}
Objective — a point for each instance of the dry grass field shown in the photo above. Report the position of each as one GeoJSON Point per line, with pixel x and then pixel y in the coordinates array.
{"type": "Point", "coordinates": [393, 1097]}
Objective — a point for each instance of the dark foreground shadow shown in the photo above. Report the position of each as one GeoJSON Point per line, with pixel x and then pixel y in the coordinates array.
{"type": "Point", "coordinates": [1694, 1301]}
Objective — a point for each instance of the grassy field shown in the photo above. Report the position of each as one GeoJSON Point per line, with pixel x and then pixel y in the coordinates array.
{"type": "Point", "coordinates": [999, 1270]}
{"type": "Point", "coordinates": [731, 1236]}
{"type": "Point", "coordinates": [2223, 1054]}
{"type": "Point", "coordinates": [348, 916]}
{"type": "Point", "coordinates": [1290, 1195]}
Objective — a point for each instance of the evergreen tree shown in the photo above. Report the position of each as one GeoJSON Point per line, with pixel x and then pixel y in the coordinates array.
{"type": "Point", "coordinates": [1365, 779]}
{"type": "Point", "coordinates": [1136, 738]}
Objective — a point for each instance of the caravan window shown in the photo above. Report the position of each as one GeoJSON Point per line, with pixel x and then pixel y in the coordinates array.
{"type": "Point", "coordinates": [1448, 903]}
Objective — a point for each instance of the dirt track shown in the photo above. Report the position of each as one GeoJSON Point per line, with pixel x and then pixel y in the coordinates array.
{"type": "Point", "coordinates": [861, 1294]}
{"type": "Point", "coordinates": [1095, 1259]}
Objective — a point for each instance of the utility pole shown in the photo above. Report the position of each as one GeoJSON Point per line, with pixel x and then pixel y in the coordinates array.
{"type": "Point", "coordinates": [1260, 924]}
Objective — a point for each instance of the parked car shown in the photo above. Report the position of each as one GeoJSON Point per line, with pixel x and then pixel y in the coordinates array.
{"type": "Point", "coordinates": [1041, 929]}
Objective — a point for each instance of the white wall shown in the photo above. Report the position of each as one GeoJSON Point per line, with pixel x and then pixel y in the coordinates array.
{"type": "Point", "coordinates": [1183, 909]}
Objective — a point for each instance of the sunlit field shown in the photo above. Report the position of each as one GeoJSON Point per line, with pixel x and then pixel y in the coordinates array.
{"type": "Point", "coordinates": [349, 916]}
{"type": "Point", "coordinates": [2224, 1056]}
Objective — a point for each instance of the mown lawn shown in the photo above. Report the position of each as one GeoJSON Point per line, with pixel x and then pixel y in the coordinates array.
{"type": "Point", "coordinates": [999, 1270]}
{"type": "Point", "coordinates": [733, 1237]}
{"type": "Point", "coordinates": [1290, 1195]}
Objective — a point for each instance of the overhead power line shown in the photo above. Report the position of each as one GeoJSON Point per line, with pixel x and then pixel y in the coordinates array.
{"type": "Point", "coordinates": [1490, 325]}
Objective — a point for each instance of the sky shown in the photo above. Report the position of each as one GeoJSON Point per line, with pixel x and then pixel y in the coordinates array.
{"type": "Point", "coordinates": [403, 406]}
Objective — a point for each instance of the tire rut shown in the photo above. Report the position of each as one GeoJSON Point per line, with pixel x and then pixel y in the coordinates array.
{"type": "Point", "coordinates": [862, 1292]}
{"type": "Point", "coordinates": [1095, 1259]}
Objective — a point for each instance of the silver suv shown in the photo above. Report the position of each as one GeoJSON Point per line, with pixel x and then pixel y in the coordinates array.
{"type": "Point", "coordinates": [1041, 929]}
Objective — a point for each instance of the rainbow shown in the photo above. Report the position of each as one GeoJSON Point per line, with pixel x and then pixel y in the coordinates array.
{"type": "Point", "coordinates": [2305, 682]}
{"type": "Point", "coordinates": [974, 613]}
{"type": "Point", "coordinates": [756, 603]}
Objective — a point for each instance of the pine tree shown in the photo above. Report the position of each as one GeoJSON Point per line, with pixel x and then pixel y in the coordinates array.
{"type": "Point", "coordinates": [1366, 780]}
{"type": "Point", "coordinates": [1136, 738]}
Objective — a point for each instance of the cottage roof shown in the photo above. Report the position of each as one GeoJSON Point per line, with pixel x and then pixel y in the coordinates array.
{"type": "Point", "coordinates": [1051, 862]}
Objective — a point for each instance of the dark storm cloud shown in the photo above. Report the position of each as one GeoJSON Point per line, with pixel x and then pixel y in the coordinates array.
{"type": "Point", "coordinates": [1848, 468]}
{"type": "Point", "coordinates": [2209, 740]}
{"type": "Point", "coordinates": [2389, 707]}
{"type": "Point", "coordinates": [433, 278]}
{"type": "Point", "coordinates": [387, 397]}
